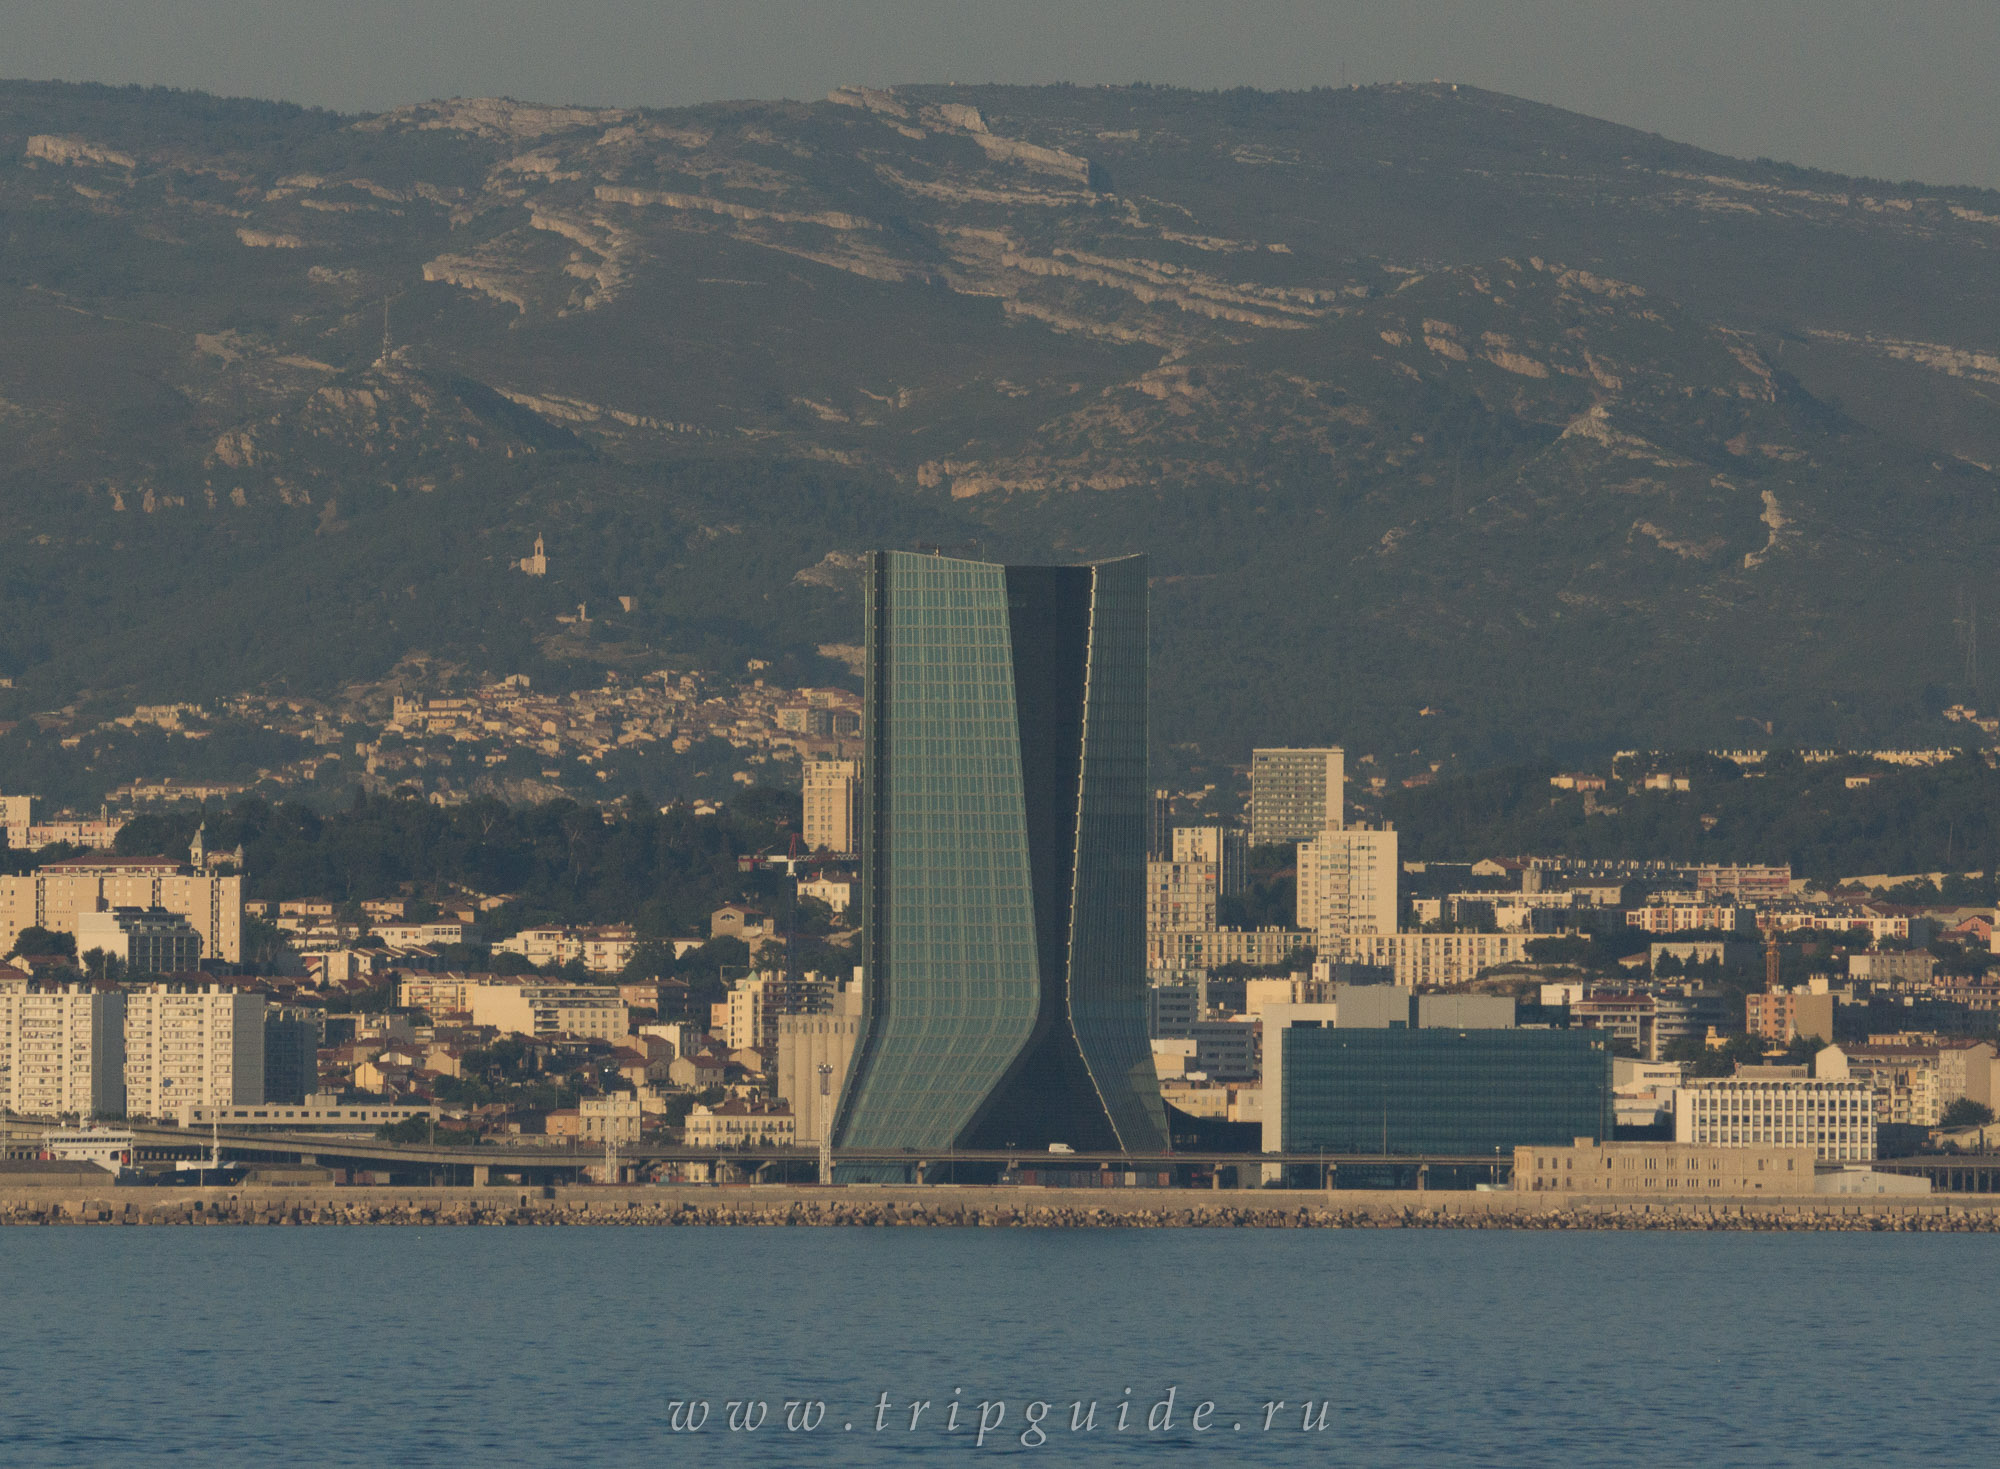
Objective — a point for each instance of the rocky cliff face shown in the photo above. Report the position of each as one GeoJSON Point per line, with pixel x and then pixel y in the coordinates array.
{"type": "Point", "coordinates": [1447, 418]}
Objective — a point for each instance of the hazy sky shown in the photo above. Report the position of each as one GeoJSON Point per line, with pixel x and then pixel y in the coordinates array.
{"type": "Point", "coordinates": [1890, 88]}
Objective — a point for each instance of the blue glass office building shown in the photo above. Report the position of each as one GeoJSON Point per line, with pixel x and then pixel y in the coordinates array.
{"type": "Point", "coordinates": [1003, 860]}
{"type": "Point", "coordinates": [1442, 1091]}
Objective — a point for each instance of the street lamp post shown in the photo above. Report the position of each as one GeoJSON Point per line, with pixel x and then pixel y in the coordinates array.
{"type": "Point", "coordinates": [825, 1124]}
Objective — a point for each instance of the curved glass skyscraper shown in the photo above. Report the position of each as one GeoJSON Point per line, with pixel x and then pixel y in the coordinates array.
{"type": "Point", "coordinates": [1003, 860]}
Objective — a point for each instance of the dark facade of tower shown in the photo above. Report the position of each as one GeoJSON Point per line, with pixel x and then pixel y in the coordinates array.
{"type": "Point", "coordinates": [1003, 860]}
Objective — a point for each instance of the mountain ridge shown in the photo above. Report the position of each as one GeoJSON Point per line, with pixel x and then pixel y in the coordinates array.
{"type": "Point", "coordinates": [1450, 421]}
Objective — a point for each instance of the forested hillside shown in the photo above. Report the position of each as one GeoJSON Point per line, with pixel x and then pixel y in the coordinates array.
{"type": "Point", "coordinates": [1901, 821]}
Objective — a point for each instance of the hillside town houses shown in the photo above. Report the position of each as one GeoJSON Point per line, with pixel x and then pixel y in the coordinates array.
{"type": "Point", "coordinates": [486, 737]}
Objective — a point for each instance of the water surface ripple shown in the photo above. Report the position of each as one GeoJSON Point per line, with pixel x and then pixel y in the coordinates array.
{"type": "Point", "coordinates": [350, 1346]}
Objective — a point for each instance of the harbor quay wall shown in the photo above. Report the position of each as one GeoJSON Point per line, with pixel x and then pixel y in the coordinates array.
{"type": "Point", "coordinates": [941, 1206]}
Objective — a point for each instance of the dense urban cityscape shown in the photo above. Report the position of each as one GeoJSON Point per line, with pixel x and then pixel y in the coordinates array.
{"type": "Point", "coordinates": [1604, 1024]}
{"type": "Point", "coordinates": [1273, 760]}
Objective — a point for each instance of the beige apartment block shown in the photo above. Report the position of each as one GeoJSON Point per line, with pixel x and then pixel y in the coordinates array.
{"type": "Point", "coordinates": [606, 949]}
{"type": "Point", "coordinates": [192, 1046]}
{"type": "Point", "coordinates": [1347, 884]}
{"type": "Point", "coordinates": [25, 834]}
{"type": "Point", "coordinates": [51, 897]}
{"type": "Point", "coordinates": [753, 1011]}
{"type": "Point", "coordinates": [1665, 1170]}
{"type": "Point", "coordinates": [1753, 884]}
{"type": "Point", "coordinates": [17, 814]}
{"type": "Point", "coordinates": [613, 1118]}
{"type": "Point", "coordinates": [1224, 846]}
{"type": "Point", "coordinates": [62, 1050]}
{"type": "Point", "coordinates": [739, 1124]}
{"type": "Point", "coordinates": [411, 935]}
{"type": "Point", "coordinates": [832, 790]}
{"type": "Point", "coordinates": [750, 1015]}
{"type": "Point", "coordinates": [1784, 1013]}
{"type": "Point", "coordinates": [1176, 952]}
{"type": "Point", "coordinates": [146, 941]}
{"type": "Point", "coordinates": [435, 993]}
{"type": "Point", "coordinates": [1904, 1083]}
{"type": "Point", "coordinates": [99, 833]}
{"type": "Point", "coordinates": [1430, 959]}
{"type": "Point", "coordinates": [1182, 896]}
{"type": "Point", "coordinates": [836, 892]}
{"type": "Point", "coordinates": [1690, 917]}
{"type": "Point", "coordinates": [1965, 1069]}
{"type": "Point", "coordinates": [1296, 794]}
{"type": "Point", "coordinates": [550, 1009]}
{"type": "Point", "coordinates": [1913, 1084]}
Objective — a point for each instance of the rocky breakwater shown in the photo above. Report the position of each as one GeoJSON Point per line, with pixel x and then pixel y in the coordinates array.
{"type": "Point", "coordinates": [326, 1207]}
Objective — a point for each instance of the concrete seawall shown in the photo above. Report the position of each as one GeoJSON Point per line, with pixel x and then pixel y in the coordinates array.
{"type": "Point", "coordinates": [950, 1207]}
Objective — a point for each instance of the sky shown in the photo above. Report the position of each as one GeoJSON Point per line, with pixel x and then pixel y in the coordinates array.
{"type": "Point", "coordinates": [1896, 89]}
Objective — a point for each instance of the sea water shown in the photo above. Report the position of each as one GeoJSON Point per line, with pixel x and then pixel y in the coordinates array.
{"type": "Point", "coordinates": [615, 1346]}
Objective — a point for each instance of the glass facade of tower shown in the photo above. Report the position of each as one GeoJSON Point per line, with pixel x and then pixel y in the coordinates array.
{"type": "Point", "coordinates": [1442, 1091]}
{"type": "Point", "coordinates": [1003, 860]}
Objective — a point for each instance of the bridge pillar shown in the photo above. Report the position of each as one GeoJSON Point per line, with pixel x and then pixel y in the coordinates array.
{"type": "Point", "coordinates": [482, 1174]}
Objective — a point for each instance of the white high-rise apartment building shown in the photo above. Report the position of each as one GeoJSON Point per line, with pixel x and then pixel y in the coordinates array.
{"type": "Point", "coordinates": [833, 805]}
{"type": "Point", "coordinates": [1834, 1118]}
{"type": "Point", "coordinates": [1296, 794]}
{"type": "Point", "coordinates": [62, 1050]}
{"type": "Point", "coordinates": [192, 1046]}
{"type": "Point", "coordinates": [1347, 885]}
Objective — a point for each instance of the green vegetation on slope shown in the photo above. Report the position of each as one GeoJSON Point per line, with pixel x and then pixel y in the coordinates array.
{"type": "Point", "coordinates": [1943, 818]}
{"type": "Point", "coordinates": [554, 863]}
